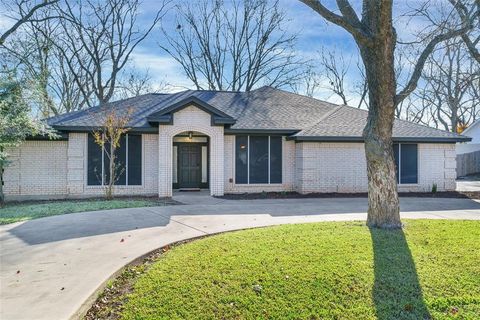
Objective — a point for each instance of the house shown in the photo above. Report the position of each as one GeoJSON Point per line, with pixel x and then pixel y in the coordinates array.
{"type": "Point", "coordinates": [473, 131]}
{"type": "Point", "coordinates": [468, 153]}
{"type": "Point", "coordinates": [228, 142]}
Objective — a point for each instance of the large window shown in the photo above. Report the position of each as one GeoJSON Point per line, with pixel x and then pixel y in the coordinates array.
{"type": "Point", "coordinates": [129, 161]}
{"type": "Point", "coordinates": [258, 159]}
{"type": "Point", "coordinates": [406, 161]}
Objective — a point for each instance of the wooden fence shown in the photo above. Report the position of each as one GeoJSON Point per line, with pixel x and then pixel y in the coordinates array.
{"type": "Point", "coordinates": [468, 163]}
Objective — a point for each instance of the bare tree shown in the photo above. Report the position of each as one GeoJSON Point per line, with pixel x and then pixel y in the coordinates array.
{"type": "Point", "coordinates": [38, 61]}
{"type": "Point", "coordinates": [309, 84]}
{"type": "Point", "coordinates": [237, 48]}
{"type": "Point", "coordinates": [451, 86]}
{"type": "Point", "coordinates": [98, 39]}
{"type": "Point", "coordinates": [114, 126]}
{"type": "Point", "coordinates": [26, 10]}
{"type": "Point", "coordinates": [472, 37]}
{"type": "Point", "coordinates": [375, 36]}
{"type": "Point", "coordinates": [334, 69]}
{"type": "Point", "coordinates": [134, 83]}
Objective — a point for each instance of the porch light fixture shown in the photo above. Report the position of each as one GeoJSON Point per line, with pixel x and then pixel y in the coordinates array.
{"type": "Point", "coordinates": [190, 135]}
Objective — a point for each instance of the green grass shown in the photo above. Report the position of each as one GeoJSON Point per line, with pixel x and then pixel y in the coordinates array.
{"type": "Point", "coordinates": [335, 270]}
{"type": "Point", "coordinates": [20, 212]}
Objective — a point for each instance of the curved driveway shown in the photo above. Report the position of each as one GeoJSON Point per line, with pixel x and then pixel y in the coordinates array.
{"type": "Point", "coordinates": [51, 266]}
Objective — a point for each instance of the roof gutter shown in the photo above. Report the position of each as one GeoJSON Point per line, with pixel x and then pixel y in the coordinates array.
{"type": "Point", "coordinates": [61, 136]}
{"type": "Point", "coordinates": [93, 128]}
{"type": "Point", "coordinates": [395, 139]}
{"type": "Point", "coordinates": [285, 132]}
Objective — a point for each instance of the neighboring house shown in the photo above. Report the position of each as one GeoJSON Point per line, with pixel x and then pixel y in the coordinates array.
{"type": "Point", "coordinates": [473, 131]}
{"type": "Point", "coordinates": [228, 142]}
{"type": "Point", "coordinates": [468, 153]}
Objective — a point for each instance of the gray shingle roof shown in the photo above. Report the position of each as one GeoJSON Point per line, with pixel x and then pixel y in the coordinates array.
{"type": "Point", "coordinates": [263, 109]}
{"type": "Point", "coordinates": [347, 121]}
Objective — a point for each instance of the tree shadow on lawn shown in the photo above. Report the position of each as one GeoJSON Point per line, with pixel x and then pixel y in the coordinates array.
{"type": "Point", "coordinates": [397, 293]}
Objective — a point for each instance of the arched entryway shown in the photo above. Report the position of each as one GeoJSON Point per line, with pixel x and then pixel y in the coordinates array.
{"type": "Point", "coordinates": [190, 167]}
{"type": "Point", "coordinates": [199, 123]}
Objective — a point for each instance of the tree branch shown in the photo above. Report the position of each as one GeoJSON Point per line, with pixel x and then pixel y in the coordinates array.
{"type": "Point", "coordinates": [412, 83]}
{"type": "Point", "coordinates": [349, 21]}
{"type": "Point", "coordinates": [25, 18]}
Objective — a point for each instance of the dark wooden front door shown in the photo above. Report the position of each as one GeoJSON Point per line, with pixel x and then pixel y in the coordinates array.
{"type": "Point", "coordinates": [189, 165]}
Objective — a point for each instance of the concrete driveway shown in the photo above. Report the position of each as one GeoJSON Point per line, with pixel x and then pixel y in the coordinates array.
{"type": "Point", "coordinates": [51, 266]}
{"type": "Point", "coordinates": [469, 183]}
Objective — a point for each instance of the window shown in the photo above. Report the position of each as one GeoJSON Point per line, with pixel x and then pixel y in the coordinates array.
{"type": "Point", "coordinates": [129, 161]}
{"type": "Point", "coordinates": [406, 162]}
{"type": "Point", "coordinates": [258, 159]}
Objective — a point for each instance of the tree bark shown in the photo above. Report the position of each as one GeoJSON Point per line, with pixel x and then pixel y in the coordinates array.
{"type": "Point", "coordinates": [383, 203]}
{"type": "Point", "coordinates": [375, 36]}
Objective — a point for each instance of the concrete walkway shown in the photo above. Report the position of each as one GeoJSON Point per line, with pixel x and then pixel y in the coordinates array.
{"type": "Point", "coordinates": [469, 183]}
{"type": "Point", "coordinates": [51, 266]}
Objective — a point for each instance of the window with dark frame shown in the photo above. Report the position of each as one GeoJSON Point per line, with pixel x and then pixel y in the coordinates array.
{"type": "Point", "coordinates": [406, 162]}
{"type": "Point", "coordinates": [129, 161]}
{"type": "Point", "coordinates": [258, 159]}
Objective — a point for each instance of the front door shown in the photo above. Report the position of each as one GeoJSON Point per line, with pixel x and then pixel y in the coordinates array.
{"type": "Point", "coordinates": [189, 165]}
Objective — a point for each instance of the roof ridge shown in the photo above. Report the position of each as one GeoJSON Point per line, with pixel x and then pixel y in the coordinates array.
{"type": "Point", "coordinates": [223, 91]}
{"type": "Point", "coordinates": [310, 98]}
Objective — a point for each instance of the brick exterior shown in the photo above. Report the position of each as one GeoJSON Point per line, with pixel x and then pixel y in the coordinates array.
{"type": "Point", "coordinates": [149, 186]}
{"type": "Point", "coordinates": [191, 119]}
{"type": "Point", "coordinates": [288, 170]}
{"type": "Point", "coordinates": [36, 169]}
{"type": "Point", "coordinates": [341, 167]}
{"type": "Point", "coordinates": [58, 169]}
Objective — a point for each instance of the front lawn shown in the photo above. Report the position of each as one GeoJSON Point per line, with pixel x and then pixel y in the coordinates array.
{"type": "Point", "coordinates": [15, 212]}
{"type": "Point", "coordinates": [328, 270]}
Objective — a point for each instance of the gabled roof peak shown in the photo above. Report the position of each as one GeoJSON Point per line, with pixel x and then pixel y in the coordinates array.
{"type": "Point", "coordinates": [165, 115]}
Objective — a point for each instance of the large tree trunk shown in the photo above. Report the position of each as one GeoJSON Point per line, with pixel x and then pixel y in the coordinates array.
{"type": "Point", "coordinates": [383, 204]}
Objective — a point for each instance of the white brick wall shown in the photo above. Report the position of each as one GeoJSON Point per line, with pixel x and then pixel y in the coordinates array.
{"type": "Point", "coordinates": [330, 167]}
{"type": "Point", "coordinates": [341, 167]}
{"type": "Point", "coordinates": [191, 119]}
{"type": "Point", "coordinates": [37, 168]}
{"type": "Point", "coordinates": [437, 164]}
{"type": "Point", "coordinates": [56, 169]}
{"type": "Point", "coordinates": [149, 184]}
{"type": "Point", "coordinates": [288, 170]}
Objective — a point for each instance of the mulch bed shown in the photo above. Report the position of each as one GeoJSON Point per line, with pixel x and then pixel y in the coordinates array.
{"type": "Point", "coordinates": [296, 195]}
{"type": "Point", "coordinates": [110, 302]}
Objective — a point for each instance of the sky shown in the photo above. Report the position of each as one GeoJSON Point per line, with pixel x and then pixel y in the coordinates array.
{"type": "Point", "coordinates": [313, 33]}
{"type": "Point", "coordinates": [312, 30]}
